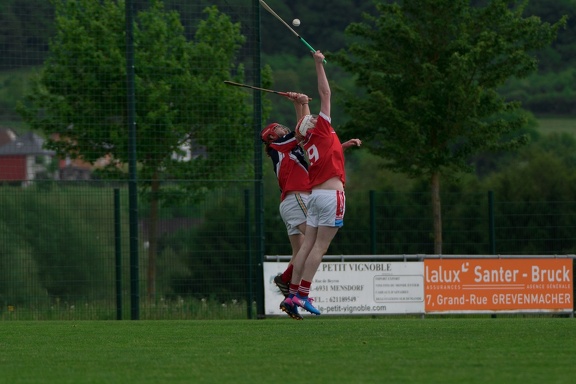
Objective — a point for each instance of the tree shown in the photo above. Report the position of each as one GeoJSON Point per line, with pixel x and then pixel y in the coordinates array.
{"type": "Point", "coordinates": [25, 27]}
{"type": "Point", "coordinates": [561, 54]}
{"type": "Point", "coordinates": [183, 108]}
{"type": "Point", "coordinates": [430, 69]}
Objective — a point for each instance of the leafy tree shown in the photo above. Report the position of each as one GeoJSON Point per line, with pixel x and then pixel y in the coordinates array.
{"type": "Point", "coordinates": [561, 53]}
{"type": "Point", "coordinates": [430, 69]}
{"type": "Point", "coordinates": [183, 108]}
{"type": "Point", "coordinates": [25, 27]}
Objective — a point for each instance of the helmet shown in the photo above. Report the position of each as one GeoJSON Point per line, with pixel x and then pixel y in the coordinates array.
{"type": "Point", "coordinates": [268, 134]}
{"type": "Point", "coordinates": [307, 122]}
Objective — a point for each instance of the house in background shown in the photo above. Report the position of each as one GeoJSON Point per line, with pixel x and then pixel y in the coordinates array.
{"type": "Point", "coordinates": [23, 158]}
{"type": "Point", "coordinates": [77, 169]}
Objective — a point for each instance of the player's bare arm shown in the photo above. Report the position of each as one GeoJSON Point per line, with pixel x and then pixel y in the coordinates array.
{"type": "Point", "coordinates": [351, 143]}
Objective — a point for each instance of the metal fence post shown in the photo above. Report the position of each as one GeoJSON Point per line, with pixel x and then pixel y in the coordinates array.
{"type": "Point", "coordinates": [372, 196]}
{"type": "Point", "coordinates": [258, 172]}
{"type": "Point", "coordinates": [118, 253]}
{"type": "Point", "coordinates": [249, 264]}
{"type": "Point", "coordinates": [132, 164]}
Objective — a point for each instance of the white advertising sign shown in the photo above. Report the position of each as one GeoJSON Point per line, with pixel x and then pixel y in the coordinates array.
{"type": "Point", "coordinates": [356, 288]}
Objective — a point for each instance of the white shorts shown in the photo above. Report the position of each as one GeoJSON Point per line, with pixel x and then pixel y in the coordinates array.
{"type": "Point", "coordinates": [326, 208]}
{"type": "Point", "coordinates": [293, 211]}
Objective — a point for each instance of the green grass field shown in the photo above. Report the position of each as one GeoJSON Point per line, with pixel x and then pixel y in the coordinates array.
{"type": "Point", "coordinates": [281, 350]}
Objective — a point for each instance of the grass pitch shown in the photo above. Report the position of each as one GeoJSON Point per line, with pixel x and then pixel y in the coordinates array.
{"type": "Point", "coordinates": [281, 350]}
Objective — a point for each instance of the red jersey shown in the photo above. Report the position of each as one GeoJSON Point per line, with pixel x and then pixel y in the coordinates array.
{"type": "Point", "coordinates": [325, 153]}
{"type": "Point", "coordinates": [290, 165]}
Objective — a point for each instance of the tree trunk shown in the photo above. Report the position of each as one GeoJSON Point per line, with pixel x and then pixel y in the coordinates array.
{"type": "Point", "coordinates": [152, 240]}
{"type": "Point", "coordinates": [436, 212]}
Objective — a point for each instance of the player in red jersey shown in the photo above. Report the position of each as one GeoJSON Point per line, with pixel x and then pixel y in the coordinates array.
{"type": "Point", "coordinates": [291, 169]}
{"type": "Point", "coordinates": [327, 202]}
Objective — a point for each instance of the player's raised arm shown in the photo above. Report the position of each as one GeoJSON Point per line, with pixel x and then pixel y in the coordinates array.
{"type": "Point", "coordinates": [300, 101]}
{"type": "Point", "coordinates": [323, 85]}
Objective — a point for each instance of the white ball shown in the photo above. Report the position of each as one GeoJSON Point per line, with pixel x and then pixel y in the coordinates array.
{"type": "Point", "coordinates": [296, 22]}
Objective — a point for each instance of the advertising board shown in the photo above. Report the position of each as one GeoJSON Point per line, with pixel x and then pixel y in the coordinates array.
{"type": "Point", "coordinates": [356, 288]}
{"type": "Point", "coordinates": [436, 285]}
{"type": "Point", "coordinates": [491, 285]}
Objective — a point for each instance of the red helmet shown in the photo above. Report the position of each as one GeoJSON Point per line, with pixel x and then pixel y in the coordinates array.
{"type": "Point", "coordinates": [268, 134]}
